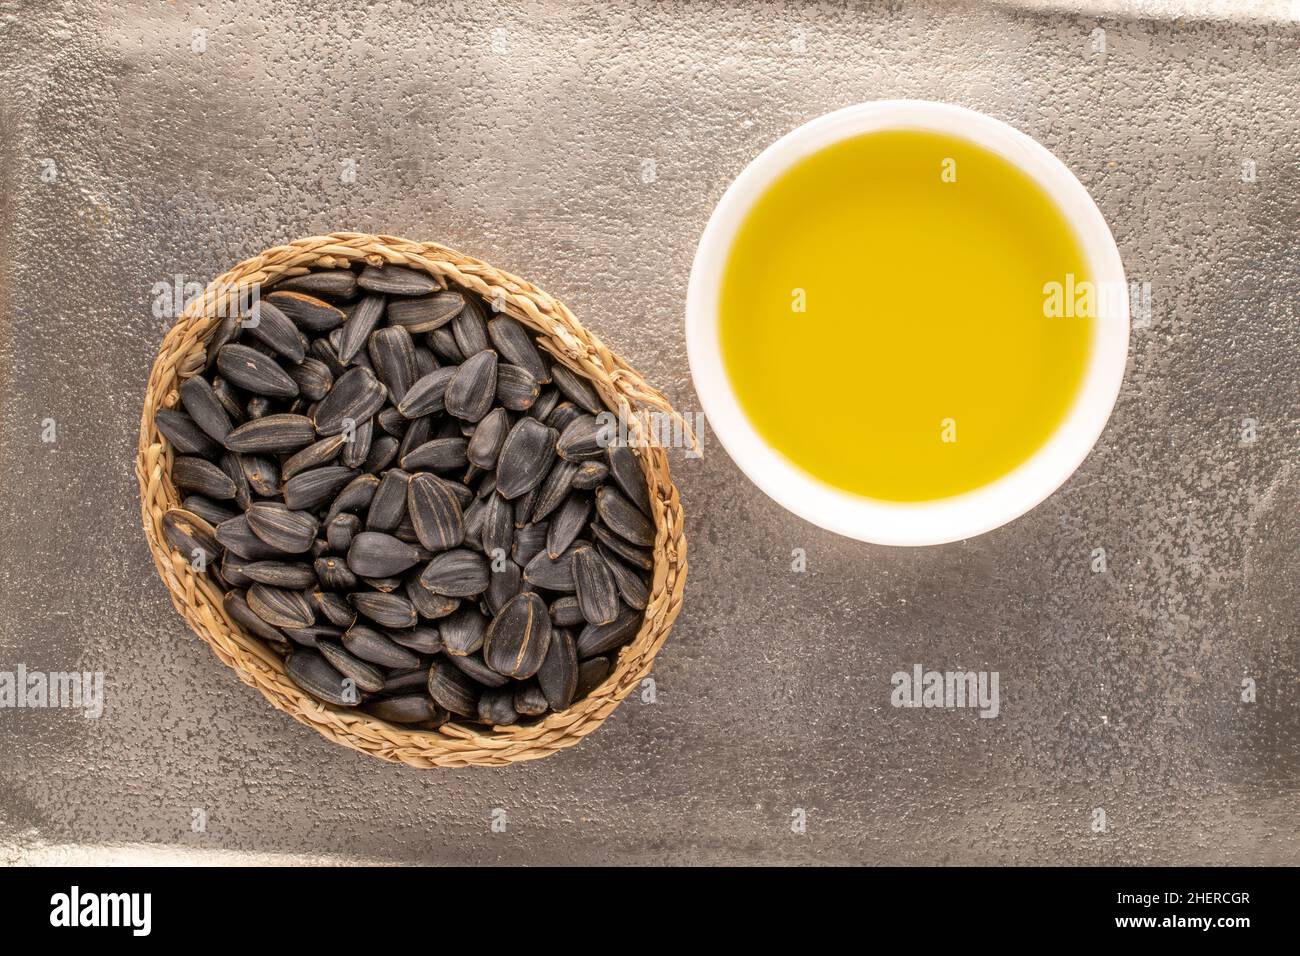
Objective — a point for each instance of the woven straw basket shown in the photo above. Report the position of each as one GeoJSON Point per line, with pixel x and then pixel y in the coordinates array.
{"type": "Point", "coordinates": [198, 598]}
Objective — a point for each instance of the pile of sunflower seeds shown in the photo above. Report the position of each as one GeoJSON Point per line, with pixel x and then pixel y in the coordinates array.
{"type": "Point", "coordinates": [405, 497]}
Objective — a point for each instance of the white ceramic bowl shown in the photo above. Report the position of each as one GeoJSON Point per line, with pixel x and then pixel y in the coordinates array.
{"type": "Point", "coordinates": [945, 519]}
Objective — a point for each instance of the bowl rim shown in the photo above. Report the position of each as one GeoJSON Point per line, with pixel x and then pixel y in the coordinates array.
{"type": "Point", "coordinates": [941, 520]}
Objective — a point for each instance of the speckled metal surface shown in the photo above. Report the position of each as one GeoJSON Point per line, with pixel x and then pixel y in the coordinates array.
{"type": "Point", "coordinates": [584, 146]}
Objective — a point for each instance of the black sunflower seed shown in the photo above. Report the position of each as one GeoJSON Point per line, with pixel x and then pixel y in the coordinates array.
{"type": "Point", "coordinates": [601, 638]}
{"type": "Point", "coordinates": [231, 399]}
{"type": "Point", "coordinates": [308, 669]}
{"type": "Point", "coordinates": [207, 509]}
{"type": "Point", "coordinates": [227, 330]}
{"type": "Point", "coordinates": [306, 311]}
{"type": "Point", "coordinates": [322, 351]}
{"type": "Point", "coordinates": [263, 474]}
{"type": "Point", "coordinates": [311, 489]}
{"type": "Point", "coordinates": [237, 609]}
{"type": "Point", "coordinates": [525, 457]}
{"type": "Point", "coordinates": [277, 434]}
{"type": "Point", "coordinates": [358, 445]}
{"type": "Point", "coordinates": [441, 454]}
{"type": "Point", "coordinates": [333, 607]}
{"type": "Point", "coordinates": [516, 346]}
{"type": "Point", "coordinates": [498, 534]}
{"type": "Point", "coordinates": [270, 326]}
{"type": "Point", "coordinates": [374, 554]}
{"type": "Point", "coordinates": [590, 474]}
{"type": "Point", "coordinates": [338, 283]}
{"type": "Point", "coordinates": [390, 610]}
{"type": "Point", "coordinates": [471, 390]}
{"type": "Point", "coordinates": [280, 607]}
{"type": "Point", "coordinates": [184, 434]}
{"type": "Point", "coordinates": [202, 476]}
{"type": "Point", "coordinates": [555, 489]}
{"type": "Point", "coordinates": [313, 456]}
{"type": "Point", "coordinates": [489, 435]}
{"type": "Point", "coordinates": [396, 280]}
{"type": "Point", "coordinates": [632, 586]}
{"type": "Point", "coordinates": [392, 353]}
{"type": "Point", "coordinates": [383, 452]}
{"type": "Point", "coordinates": [507, 581]}
{"type": "Point", "coordinates": [496, 706]}
{"type": "Point", "coordinates": [517, 390]}
{"type": "Point", "coordinates": [426, 394]}
{"type": "Point", "coordinates": [355, 496]}
{"type": "Point", "coordinates": [554, 574]}
{"type": "Point", "coordinates": [255, 372]}
{"type": "Point", "coordinates": [427, 604]}
{"type": "Point", "coordinates": [205, 408]}
{"type": "Point", "coordinates": [334, 573]}
{"type": "Point", "coordinates": [443, 344]}
{"type": "Point", "coordinates": [591, 674]}
{"type": "Point", "coordinates": [389, 504]}
{"type": "Point", "coordinates": [472, 666]}
{"type": "Point", "coordinates": [312, 636]}
{"type": "Point", "coordinates": [426, 313]}
{"type": "Point", "coordinates": [376, 648]}
{"type": "Point", "coordinates": [281, 574]}
{"type": "Point", "coordinates": [233, 465]}
{"type": "Point", "coordinates": [314, 379]}
{"type": "Point", "coordinates": [529, 700]}
{"type": "Point", "coordinates": [518, 637]}
{"type": "Point", "coordinates": [366, 676]}
{"type": "Point", "coordinates": [435, 511]}
{"type": "Point", "coordinates": [355, 332]}
{"type": "Point", "coordinates": [355, 397]}
{"type": "Point", "coordinates": [469, 327]}
{"type": "Point", "coordinates": [545, 404]}
{"type": "Point", "coordinates": [627, 474]}
{"type": "Point", "coordinates": [530, 540]}
{"type": "Point", "coordinates": [283, 528]}
{"type": "Point", "coordinates": [567, 523]}
{"type": "Point", "coordinates": [577, 389]}
{"type": "Point", "coordinates": [462, 632]}
{"type": "Point", "coordinates": [637, 557]}
{"type": "Point", "coordinates": [236, 535]}
{"type": "Point", "coordinates": [594, 582]}
{"type": "Point", "coordinates": [341, 530]}
{"type": "Point", "coordinates": [583, 439]}
{"type": "Point", "coordinates": [418, 431]}
{"type": "Point", "coordinates": [405, 708]}
{"type": "Point", "coordinates": [623, 518]}
{"type": "Point", "coordinates": [191, 535]}
{"type": "Point", "coordinates": [451, 689]}
{"type": "Point", "coordinates": [392, 421]}
{"type": "Point", "coordinates": [558, 674]}
{"type": "Point", "coordinates": [456, 573]}
{"type": "Point", "coordinates": [409, 681]}
{"type": "Point", "coordinates": [565, 611]}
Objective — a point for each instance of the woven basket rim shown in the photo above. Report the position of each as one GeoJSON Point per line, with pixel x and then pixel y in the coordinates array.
{"type": "Point", "coordinates": [198, 599]}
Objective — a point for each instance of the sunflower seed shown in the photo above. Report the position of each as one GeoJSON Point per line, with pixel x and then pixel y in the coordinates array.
{"type": "Point", "coordinates": [273, 433]}
{"type": "Point", "coordinates": [237, 609]}
{"type": "Point", "coordinates": [192, 536]}
{"type": "Point", "coordinates": [637, 557]}
{"type": "Point", "coordinates": [281, 574]}
{"type": "Point", "coordinates": [307, 312]}
{"type": "Point", "coordinates": [263, 474]}
{"type": "Point", "coordinates": [567, 524]}
{"type": "Point", "coordinates": [396, 280]}
{"type": "Point", "coordinates": [435, 512]}
{"type": "Point", "coordinates": [564, 415]}
{"type": "Point", "coordinates": [469, 327]}
{"type": "Point", "coordinates": [321, 350]}
{"type": "Point", "coordinates": [545, 404]}
{"type": "Point", "coordinates": [205, 408]}
{"type": "Point", "coordinates": [517, 390]}
{"type": "Point", "coordinates": [516, 346]}
{"type": "Point", "coordinates": [597, 592]}
{"type": "Point", "coordinates": [489, 435]}
{"type": "Point", "coordinates": [427, 604]}
{"type": "Point", "coordinates": [387, 585]}
{"type": "Point", "coordinates": [517, 639]}
{"type": "Point", "coordinates": [622, 517]}
{"type": "Point", "coordinates": [554, 489]}
{"type": "Point", "coordinates": [578, 389]}
{"type": "Point", "coordinates": [339, 283]}
{"type": "Point", "coordinates": [313, 673]}
{"type": "Point", "coordinates": [335, 610]}
{"type": "Point", "coordinates": [309, 490]}
{"type": "Point", "coordinates": [472, 666]}
{"type": "Point", "coordinates": [369, 645]}
{"type": "Point", "coordinates": [525, 457]}
{"type": "Point", "coordinates": [312, 636]}
{"type": "Point", "coordinates": [280, 607]}
{"type": "Point", "coordinates": [427, 312]}
{"type": "Point", "coordinates": [388, 504]}
{"type": "Point", "coordinates": [601, 638]}
{"type": "Point", "coordinates": [269, 325]}
{"type": "Point", "coordinates": [355, 496]}
{"type": "Point", "coordinates": [184, 434]}
{"type": "Point", "coordinates": [529, 700]}
{"type": "Point", "coordinates": [373, 554]}
{"type": "Point", "coordinates": [392, 353]}
{"type": "Point", "coordinates": [584, 439]}
{"type": "Point", "coordinates": [355, 332]}
{"type": "Point", "coordinates": [207, 509]}
{"type": "Point", "coordinates": [441, 454]}
{"type": "Point", "coordinates": [498, 533]}
{"type": "Point", "coordinates": [232, 401]}
{"type": "Point", "coordinates": [236, 535]}
{"type": "Point", "coordinates": [366, 676]}
{"type": "Point", "coordinates": [497, 706]}
{"type": "Point", "coordinates": [590, 474]}
{"type": "Point", "coordinates": [200, 475]}
{"type": "Point", "coordinates": [462, 632]}
{"type": "Point", "coordinates": [233, 465]}
{"type": "Point", "coordinates": [340, 531]}
{"type": "Point", "coordinates": [314, 379]}
{"type": "Point", "coordinates": [354, 398]}
{"type": "Point", "coordinates": [258, 373]}
{"type": "Point", "coordinates": [390, 610]}
{"type": "Point", "coordinates": [426, 394]}
{"type": "Point", "coordinates": [383, 452]}
{"type": "Point", "coordinates": [456, 573]}
{"type": "Point", "coordinates": [392, 421]}
{"type": "Point", "coordinates": [565, 611]}
{"type": "Point", "coordinates": [405, 709]}
{"type": "Point", "coordinates": [422, 639]}
{"type": "Point", "coordinates": [284, 529]}
{"type": "Point", "coordinates": [443, 344]}
{"type": "Point", "coordinates": [591, 674]}
{"type": "Point", "coordinates": [504, 585]}
{"type": "Point", "coordinates": [356, 452]}
{"type": "Point", "coordinates": [222, 332]}
{"type": "Point", "coordinates": [627, 474]}
{"type": "Point", "coordinates": [530, 540]}
{"type": "Point", "coordinates": [632, 586]}
{"type": "Point", "coordinates": [451, 689]}
{"type": "Point", "coordinates": [475, 516]}
{"type": "Point", "coordinates": [313, 456]}
{"type": "Point", "coordinates": [471, 390]}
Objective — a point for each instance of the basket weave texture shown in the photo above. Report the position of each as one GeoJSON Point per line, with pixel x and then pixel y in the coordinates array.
{"type": "Point", "coordinates": [199, 599]}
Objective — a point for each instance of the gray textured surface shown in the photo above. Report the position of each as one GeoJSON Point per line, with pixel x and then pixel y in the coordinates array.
{"type": "Point", "coordinates": [527, 147]}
